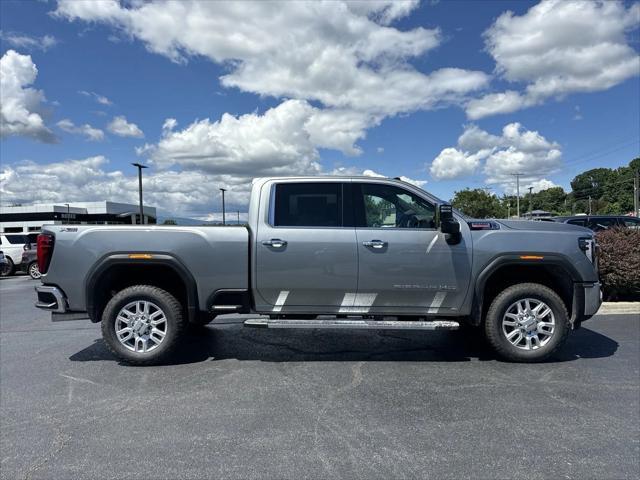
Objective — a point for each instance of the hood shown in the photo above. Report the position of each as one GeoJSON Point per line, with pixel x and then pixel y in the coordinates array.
{"type": "Point", "coordinates": [533, 226]}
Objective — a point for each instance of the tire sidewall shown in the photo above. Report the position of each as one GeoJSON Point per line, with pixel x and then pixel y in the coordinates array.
{"type": "Point", "coordinates": [509, 297]}
{"type": "Point", "coordinates": [131, 295]}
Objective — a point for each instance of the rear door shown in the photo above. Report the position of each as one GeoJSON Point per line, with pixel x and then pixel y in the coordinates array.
{"type": "Point", "coordinates": [405, 262]}
{"type": "Point", "coordinates": [306, 254]}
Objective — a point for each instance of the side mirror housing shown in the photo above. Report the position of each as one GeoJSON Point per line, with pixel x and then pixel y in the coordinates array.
{"type": "Point", "coordinates": [448, 224]}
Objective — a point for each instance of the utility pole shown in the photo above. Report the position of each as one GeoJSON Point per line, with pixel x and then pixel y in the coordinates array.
{"type": "Point", "coordinates": [636, 194]}
{"type": "Point", "coordinates": [530, 202]}
{"type": "Point", "coordinates": [589, 204]}
{"type": "Point", "coordinates": [238, 217]}
{"type": "Point", "coordinates": [508, 210]}
{"type": "Point", "coordinates": [517, 175]}
{"type": "Point", "coordinates": [140, 167]}
{"type": "Point", "coordinates": [224, 220]}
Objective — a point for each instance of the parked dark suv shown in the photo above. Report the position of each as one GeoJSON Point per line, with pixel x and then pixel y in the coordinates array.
{"type": "Point", "coordinates": [600, 222]}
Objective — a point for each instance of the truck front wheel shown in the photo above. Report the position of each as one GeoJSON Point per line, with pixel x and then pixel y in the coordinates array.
{"type": "Point", "coordinates": [142, 324]}
{"type": "Point", "coordinates": [527, 322]}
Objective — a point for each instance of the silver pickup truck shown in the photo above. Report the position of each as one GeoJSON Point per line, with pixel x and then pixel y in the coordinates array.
{"type": "Point", "coordinates": [326, 252]}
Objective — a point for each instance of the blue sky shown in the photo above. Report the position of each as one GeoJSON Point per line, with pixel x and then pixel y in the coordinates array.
{"type": "Point", "coordinates": [318, 101]}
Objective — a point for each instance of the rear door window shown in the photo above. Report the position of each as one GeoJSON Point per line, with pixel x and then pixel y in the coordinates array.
{"type": "Point", "coordinates": [580, 222]}
{"type": "Point", "coordinates": [308, 205]}
{"type": "Point", "coordinates": [17, 239]}
{"type": "Point", "coordinates": [631, 222]}
{"type": "Point", "coordinates": [598, 224]}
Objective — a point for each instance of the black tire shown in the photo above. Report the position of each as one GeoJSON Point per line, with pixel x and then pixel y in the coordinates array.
{"type": "Point", "coordinates": [175, 327]}
{"type": "Point", "coordinates": [497, 338]}
{"type": "Point", "coordinates": [33, 271]}
{"type": "Point", "coordinates": [8, 269]}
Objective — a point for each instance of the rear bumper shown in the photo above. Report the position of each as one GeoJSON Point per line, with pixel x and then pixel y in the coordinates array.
{"type": "Point", "coordinates": [587, 298]}
{"type": "Point", "coordinates": [51, 298]}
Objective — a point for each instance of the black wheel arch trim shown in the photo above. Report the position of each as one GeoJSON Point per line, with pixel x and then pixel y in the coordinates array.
{"type": "Point", "coordinates": [513, 258]}
{"type": "Point", "coordinates": [110, 260]}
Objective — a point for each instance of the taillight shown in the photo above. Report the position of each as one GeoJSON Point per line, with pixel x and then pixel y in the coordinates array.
{"type": "Point", "coordinates": [44, 252]}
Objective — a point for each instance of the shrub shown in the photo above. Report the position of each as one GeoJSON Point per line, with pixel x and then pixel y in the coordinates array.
{"type": "Point", "coordinates": [620, 263]}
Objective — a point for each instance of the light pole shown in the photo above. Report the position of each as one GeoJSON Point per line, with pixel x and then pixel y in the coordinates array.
{"type": "Point", "coordinates": [530, 203]}
{"type": "Point", "coordinates": [517, 175]}
{"type": "Point", "coordinates": [224, 220]}
{"type": "Point", "coordinates": [68, 215]}
{"type": "Point", "coordinates": [140, 167]}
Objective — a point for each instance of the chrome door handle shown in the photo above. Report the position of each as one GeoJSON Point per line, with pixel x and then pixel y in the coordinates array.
{"type": "Point", "coordinates": [375, 244]}
{"type": "Point", "coordinates": [275, 243]}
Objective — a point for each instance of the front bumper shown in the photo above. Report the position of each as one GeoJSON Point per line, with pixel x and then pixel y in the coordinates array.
{"type": "Point", "coordinates": [51, 298]}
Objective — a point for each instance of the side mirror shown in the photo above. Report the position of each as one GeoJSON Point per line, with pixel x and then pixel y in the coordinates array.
{"type": "Point", "coordinates": [448, 224]}
{"type": "Point", "coordinates": [451, 227]}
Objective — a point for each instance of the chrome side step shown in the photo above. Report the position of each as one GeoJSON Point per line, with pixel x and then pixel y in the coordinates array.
{"type": "Point", "coordinates": [353, 324]}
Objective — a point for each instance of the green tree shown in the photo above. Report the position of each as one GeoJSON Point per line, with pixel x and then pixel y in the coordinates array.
{"type": "Point", "coordinates": [478, 203]}
{"type": "Point", "coordinates": [169, 221]}
{"type": "Point", "coordinates": [551, 200]}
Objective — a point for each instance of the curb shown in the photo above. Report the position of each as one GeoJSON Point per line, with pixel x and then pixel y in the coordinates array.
{"type": "Point", "coordinates": [619, 308]}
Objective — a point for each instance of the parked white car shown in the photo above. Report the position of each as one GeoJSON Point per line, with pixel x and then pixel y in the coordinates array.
{"type": "Point", "coordinates": [12, 245]}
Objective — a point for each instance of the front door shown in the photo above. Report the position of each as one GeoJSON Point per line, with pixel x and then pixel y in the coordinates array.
{"type": "Point", "coordinates": [406, 264]}
{"type": "Point", "coordinates": [305, 258]}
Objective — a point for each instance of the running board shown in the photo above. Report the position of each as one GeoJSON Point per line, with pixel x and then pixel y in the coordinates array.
{"type": "Point", "coordinates": [353, 324]}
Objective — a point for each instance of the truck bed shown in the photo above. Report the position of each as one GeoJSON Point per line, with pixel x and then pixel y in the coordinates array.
{"type": "Point", "coordinates": [217, 257]}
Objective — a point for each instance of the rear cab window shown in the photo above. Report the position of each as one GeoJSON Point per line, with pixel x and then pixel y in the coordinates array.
{"type": "Point", "coordinates": [307, 205]}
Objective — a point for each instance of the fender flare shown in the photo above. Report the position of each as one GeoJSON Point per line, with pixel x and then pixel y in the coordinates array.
{"type": "Point", "coordinates": [108, 261]}
{"type": "Point", "coordinates": [514, 258]}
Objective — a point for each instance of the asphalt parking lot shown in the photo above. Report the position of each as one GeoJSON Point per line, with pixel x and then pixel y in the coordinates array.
{"type": "Point", "coordinates": [245, 403]}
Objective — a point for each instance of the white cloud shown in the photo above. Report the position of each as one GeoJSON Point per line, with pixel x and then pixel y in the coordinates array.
{"type": "Point", "coordinates": [275, 143]}
{"type": "Point", "coordinates": [121, 127]}
{"type": "Point", "coordinates": [516, 150]}
{"type": "Point", "coordinates": [93, 134]}
{"type": "Point", "coordinates": [454, 163]}
{"type": "Point", "coordinates": [557, 48]}
{"type": "Point", "coordinates": [28, 42]}
{"type": "Point", "coordinates": [498, 103]}
{"type": "Point", "coordinates": [101, 99]}
{"type": "Point", "coordinates": [20, 105]}
{"type": "Point", "coordinates": [88, 179]}
{"type": "Point", "coordinates": [542, 184]}
{"type": "Point", "coordinates": [373, 173]}
{"type": "Point", "coordinates": [344, 55]}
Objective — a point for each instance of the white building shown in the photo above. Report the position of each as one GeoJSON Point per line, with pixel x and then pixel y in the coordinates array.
{"type": "Point", "coordinates": [30, 218]}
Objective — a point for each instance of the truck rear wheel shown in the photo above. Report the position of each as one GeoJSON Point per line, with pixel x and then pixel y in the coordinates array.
{"type": "Point", "coordinates": [142, 324]}
{"type": "Point", "coordinates": [527, 322]}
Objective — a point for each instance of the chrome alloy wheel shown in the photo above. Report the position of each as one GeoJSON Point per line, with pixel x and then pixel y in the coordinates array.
{"type": "Point", "coordinates": [34, 272]}
{"type": "Point", "coordinates": [141, 326]}
{"type": "Point", "coordinates": [528, 324]}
